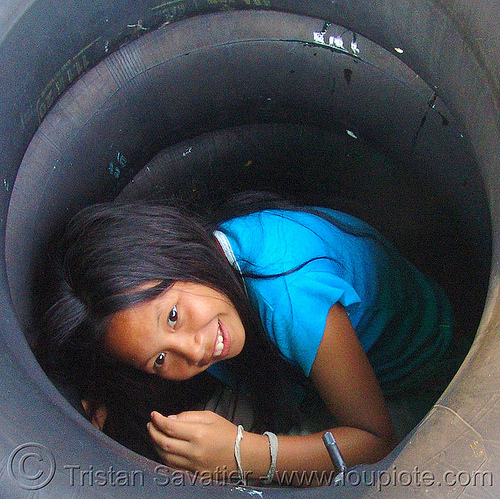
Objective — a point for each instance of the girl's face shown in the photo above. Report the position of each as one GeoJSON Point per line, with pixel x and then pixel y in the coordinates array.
{"type": "Point", "coordinates": [178, 334]}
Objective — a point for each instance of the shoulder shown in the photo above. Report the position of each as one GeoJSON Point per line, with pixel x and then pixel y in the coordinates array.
{"type": "Point", "coordinates": [293, 308]}
{"type": "Point", "coordinates": [289, 237]}
{"type": "Point", "coordinates": [311, 222]}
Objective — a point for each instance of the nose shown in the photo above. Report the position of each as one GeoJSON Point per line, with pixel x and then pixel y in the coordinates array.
{"type": "Point", "coordinates": [191, 346]}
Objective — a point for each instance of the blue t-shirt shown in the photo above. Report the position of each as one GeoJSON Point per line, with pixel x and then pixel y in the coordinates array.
{"type": "Point", "coordinates": [402, 318]}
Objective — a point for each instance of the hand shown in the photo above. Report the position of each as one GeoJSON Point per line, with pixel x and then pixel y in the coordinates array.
{"type": "Point", "coordinates": [194, 440]}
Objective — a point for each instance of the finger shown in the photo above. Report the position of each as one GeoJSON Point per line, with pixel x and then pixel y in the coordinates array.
{"type": "Point", "coordinates": [187, 416]}
{"type": "Point", "coordinates": [97, 413]}
{"type": "Point", "coordinates": [86, 406]}
{"type": "Point", "coordinates": [168, 425]}
{"type": "Point", "coordinates": [167, 443]}
{"type": "Point", "coordinates": [179, 430]}
{"type": "Point", "coordinates": [100, 416]}
{"type": "Point", "coordinates": [173, 452]}
{"type": "Point", "coordinates": [178, 426]}
{"type": "Point", "coordinates": [204, 417]}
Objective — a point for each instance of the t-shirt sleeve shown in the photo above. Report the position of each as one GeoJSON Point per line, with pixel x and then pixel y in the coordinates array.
{"type": "Point", "coordinates": [299, 318]}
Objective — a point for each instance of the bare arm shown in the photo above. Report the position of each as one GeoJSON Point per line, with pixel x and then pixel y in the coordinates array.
{"type": "Point", "coordinates": [346, 383]}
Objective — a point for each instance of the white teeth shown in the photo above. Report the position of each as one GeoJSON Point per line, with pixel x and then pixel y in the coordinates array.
{"type": "Point", "coordinates": [219, 346]}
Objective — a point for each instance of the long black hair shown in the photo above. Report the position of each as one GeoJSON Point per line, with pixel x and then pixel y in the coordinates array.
{"type": "Point", "coordinates": [105, 253]}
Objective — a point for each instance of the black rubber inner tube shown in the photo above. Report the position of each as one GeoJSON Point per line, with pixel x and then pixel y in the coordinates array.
{"type": "Point", "coordinates": [281, 97]}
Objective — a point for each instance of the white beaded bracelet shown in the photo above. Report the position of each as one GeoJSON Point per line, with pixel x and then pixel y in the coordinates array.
{"type": "Point", "coordinates": [273, 448]}
{"type": "Point", "coordinates": [237, 453]}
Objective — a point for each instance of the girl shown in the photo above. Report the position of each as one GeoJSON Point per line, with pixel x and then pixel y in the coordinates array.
{"type": "Point", "coordinates": [292, 307]}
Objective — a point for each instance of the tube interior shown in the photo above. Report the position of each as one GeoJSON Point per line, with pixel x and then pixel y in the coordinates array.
{"type": "Point", "coordinates": [305, 118]}
{"type": "Point", "coordinates": [352, 128]}
{"type": "Point", "coordinates": [46, 46]}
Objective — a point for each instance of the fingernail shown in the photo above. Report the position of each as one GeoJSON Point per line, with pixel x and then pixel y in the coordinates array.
{"type": "Point", "coordinates": [172, 416]}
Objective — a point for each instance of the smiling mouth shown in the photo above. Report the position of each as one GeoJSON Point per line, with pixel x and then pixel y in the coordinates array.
{"type": "Point", "coordinates": [222, 343]}
{"type": "Point", "coordinates": [219, 343]}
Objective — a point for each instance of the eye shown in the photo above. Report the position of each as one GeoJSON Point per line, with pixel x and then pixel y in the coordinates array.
{"type": "Point", "coordinates": [173, 317]}
{"type": "Point", "coordinates": [160, 359]}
